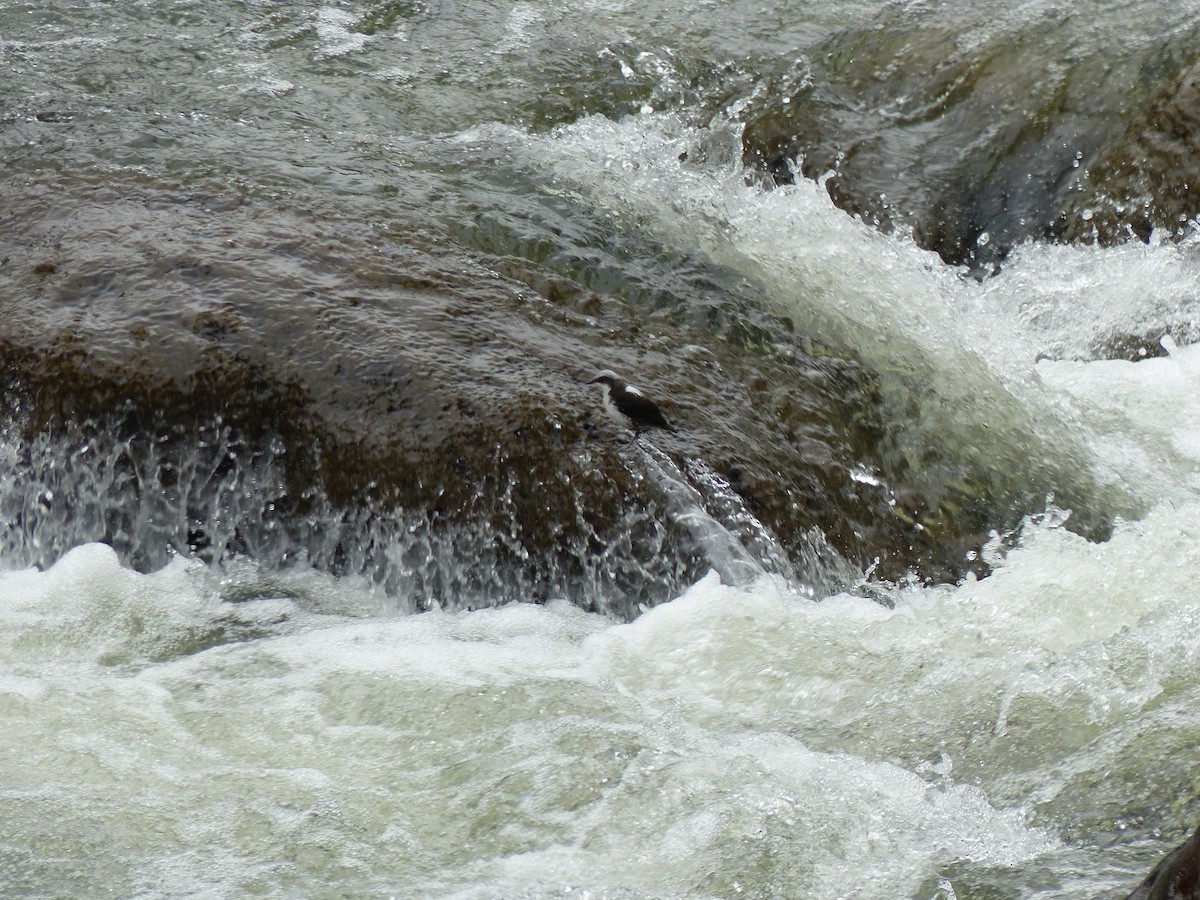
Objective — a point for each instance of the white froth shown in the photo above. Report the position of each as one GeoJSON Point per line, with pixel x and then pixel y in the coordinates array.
{"type": "Point", "coordinates": [1069, 302]}
{"type": "Point", "coordinates": [336, 34]}
{"type": "Point", "coordinates": [498, 748]}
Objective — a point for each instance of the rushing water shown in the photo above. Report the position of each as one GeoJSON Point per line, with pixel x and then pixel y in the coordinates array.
{"type": "Point", "coordinates": [227, 673]}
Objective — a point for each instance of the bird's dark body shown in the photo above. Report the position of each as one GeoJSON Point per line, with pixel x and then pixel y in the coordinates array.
{"type": "Point", "coordinates": [628, 406]}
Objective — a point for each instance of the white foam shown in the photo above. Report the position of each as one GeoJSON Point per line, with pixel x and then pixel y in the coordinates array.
{"type": "Point", "coordinates": [542, 745]}
{"type": "Point", "coordinates": [336, 34]}
{"type": "Point", "coordinates": [89, 609]}
{"type": "Point", "coordinates": [499, 748]}
{"type": "Point", "coordinates": [1068, 302]}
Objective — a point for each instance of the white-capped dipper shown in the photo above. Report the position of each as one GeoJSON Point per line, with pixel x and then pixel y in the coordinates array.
{"type": "Point", "coordinates": [628, 406]}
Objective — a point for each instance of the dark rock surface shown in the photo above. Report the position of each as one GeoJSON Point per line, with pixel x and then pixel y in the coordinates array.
{"type": "Point", "coordinates": [1177, 877]}
{"type": "Point", "coordinates": [977, 137]}
{"type": "Point", "coordinates": [362, 386]}
{"type": "Point", "coordinates": [227, 377]}
{"type": "Point", "coordinates": [1148, 177]}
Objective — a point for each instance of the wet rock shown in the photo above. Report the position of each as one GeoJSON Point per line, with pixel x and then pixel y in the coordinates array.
{"type": "Point", "coordinates": [1149, 177]}
{"type": "Point", "coordinates": [1177, 877]}
{"type": "Point", "coordinates": [210, 374]}
{"type": "Point", "coordinates": [976, 135]}
{"type": "Point", "coordinates": [224, 380]}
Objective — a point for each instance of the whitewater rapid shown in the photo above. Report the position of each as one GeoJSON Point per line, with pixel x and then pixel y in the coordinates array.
{"type": "Point", "coordinates": [733, 740]}
{"type": "Point", "coordinates": [223, 732]}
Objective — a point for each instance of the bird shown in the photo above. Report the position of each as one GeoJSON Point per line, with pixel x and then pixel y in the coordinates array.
{"type": "Point", "coordinates": [628, 406]}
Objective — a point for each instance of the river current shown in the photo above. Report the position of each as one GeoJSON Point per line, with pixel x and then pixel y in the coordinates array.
{"type": "Point", "coordinates": [298, 303]}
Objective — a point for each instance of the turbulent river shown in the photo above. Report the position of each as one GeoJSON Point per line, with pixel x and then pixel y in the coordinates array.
{"type": "Point", "coordinates": [322, 573]}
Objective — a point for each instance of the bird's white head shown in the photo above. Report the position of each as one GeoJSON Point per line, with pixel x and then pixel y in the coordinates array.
{"type": "Point", "coordinates": [607, 377]}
